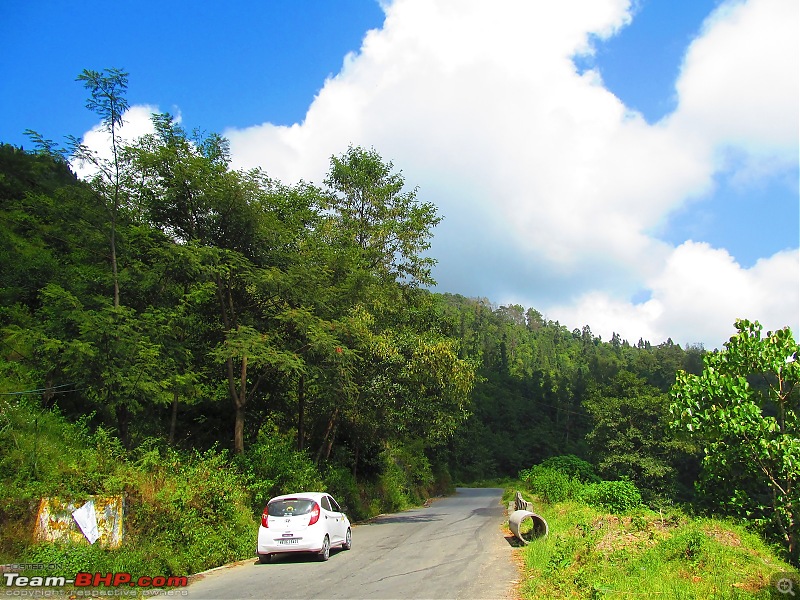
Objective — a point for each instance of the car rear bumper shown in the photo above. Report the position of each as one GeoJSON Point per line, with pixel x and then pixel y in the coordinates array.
{"type": "Point", "coordinates": [269, 541]}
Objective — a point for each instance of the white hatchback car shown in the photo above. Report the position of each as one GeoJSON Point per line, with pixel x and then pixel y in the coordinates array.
{"type": "Point", "coordinates": [304, 522]}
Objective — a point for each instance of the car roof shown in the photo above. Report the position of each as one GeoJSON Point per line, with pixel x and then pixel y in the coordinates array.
{"type": "Point", "coordinates": [316, 496]}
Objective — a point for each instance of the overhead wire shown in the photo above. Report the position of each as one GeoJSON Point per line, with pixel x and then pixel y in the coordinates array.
{"type": "Point", "coordinates": [54, 389]}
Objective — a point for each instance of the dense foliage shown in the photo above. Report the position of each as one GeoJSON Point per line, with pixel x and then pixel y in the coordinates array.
{"type": "Point", "coordinates": [545, 391]}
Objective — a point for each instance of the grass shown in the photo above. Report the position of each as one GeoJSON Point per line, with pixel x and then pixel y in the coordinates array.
{"type": "Point", "coordinates": [642, 553]}
{"type": "Point", "coordinates": [185, 511]}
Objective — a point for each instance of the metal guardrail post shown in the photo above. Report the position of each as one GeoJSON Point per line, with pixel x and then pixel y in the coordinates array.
{"type": "Point", "coordinates": [521, 504]}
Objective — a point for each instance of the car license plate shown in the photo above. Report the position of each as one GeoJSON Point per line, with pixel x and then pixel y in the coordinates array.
{"type": "Point", "coordinates": [290, 541]}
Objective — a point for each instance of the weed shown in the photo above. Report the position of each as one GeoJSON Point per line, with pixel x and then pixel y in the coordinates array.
{"type": "Point", "coordinates": [551, 485]}
{"type": "Point", "coordinates": [613, 496]}
{"type": "Point", "coordinates": [592, 553]}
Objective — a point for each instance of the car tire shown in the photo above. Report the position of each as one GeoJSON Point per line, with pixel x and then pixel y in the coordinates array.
{"type": "Point", "coordinates": [325, 553]}
{"type": "Point", "coordinates": [348, 540]}
{"type": "Point", "coordinates": [264, 559]}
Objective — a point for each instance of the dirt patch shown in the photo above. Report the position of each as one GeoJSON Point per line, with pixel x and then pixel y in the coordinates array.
{"type": "Point", "coordinates": [725, 537]}
{"type": "Point", "coordinates": [617, 533]}
{"type": "Point", "coordinates": [754, 584]}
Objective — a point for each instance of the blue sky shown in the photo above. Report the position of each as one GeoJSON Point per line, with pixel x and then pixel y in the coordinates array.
{"type": "Point", "coordinates": [222, 65]}
{"type": "Point", "coordinates": [630, 166]}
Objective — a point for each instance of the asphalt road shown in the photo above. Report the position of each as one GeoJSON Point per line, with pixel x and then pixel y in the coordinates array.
{"type": "Point", "coordinates": [455, 548]}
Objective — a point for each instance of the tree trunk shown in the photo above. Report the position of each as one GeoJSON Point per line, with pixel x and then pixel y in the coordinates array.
{"type": "Point", "coordinates": [49, 392]}
{"type": "Point", "coordinates": [325, 447]}
{"type": "Point", "coordinates": [238, 431]}
{"type": "Point", "coordinates": [239, 401]}
{"type": "Point", "coordinates": [301, 407]}
{"type": "Point", "coordinates": [238, 398]}
{"type": "Point", "coordinates": [329, 445]}
{"type": "Point", "coordinates": [114, 263]}
{"type": "Point", "coordinates": [174, 418]}
{"type": "Point", "coordinates": [123, 420]}
{"type": "Point", "coordinates": [114, 214]}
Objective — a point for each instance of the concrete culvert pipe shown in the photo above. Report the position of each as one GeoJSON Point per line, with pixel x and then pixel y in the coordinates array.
{"type": "Point", "coordinates": [527, 526]}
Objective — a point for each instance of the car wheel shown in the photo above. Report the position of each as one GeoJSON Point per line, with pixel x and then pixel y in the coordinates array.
{"type": "Point", "coordinates": [348, 540]}
{"type": "Point", "coordinates": [325, 553]}
{"type": "Point", "coordinates": [263, 559]}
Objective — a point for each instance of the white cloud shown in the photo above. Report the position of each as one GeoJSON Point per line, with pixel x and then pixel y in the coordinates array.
{"type": "Point", "coordinates": [739, 82]}
{"type": "Point", "coordinates": [135, 124]}
{"type": "Point", "coordinates": [703, 290]}
{"type": "Point", "coordinates": [697, 297]}
{"type": "Point", "coordinates": [550, 187]}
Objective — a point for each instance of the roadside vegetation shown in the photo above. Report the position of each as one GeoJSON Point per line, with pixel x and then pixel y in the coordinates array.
{"type": "Point", "coordinates": [604, 542]}
{"type": "Point", "coordinates": [185, 511]}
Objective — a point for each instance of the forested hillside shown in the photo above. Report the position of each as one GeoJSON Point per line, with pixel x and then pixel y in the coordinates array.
{"type": "Point", "coordinates": [189, 302]}
{"type": "Point", "coordinates": [246, 306]}
{"type": "Point", "coordinates": [173, 311]}
{"type": "Point", "coordinates": [544, 391]}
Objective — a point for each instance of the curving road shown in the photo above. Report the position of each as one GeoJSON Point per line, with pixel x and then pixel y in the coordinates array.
{"type": "Point", "coordinates": [455, 548]}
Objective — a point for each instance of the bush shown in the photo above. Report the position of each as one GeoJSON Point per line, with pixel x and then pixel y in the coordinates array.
{"type": "Point", "coordinates": [406, 476]}
{"type": "Point", "coordinates": [613, 496]}
{"type": "Point", "coordinates": [392, 487]}
{"type": "Point", "coordinates": [551, 485]}
{"type": "Point", "coordinates": [188, 513]}
{"type": "Point", "coordinates": [272, 465]}
{"type": "Point", "coordinates": [42, 454]}
{"type": "Point", "coordinates": [688, 545]}
{"type": "Point", "coordinates": [341, 484]}
{"type": "Point", "coordinates": [69, 558]}
{"type": "Point", "coordinates": [574, 467]}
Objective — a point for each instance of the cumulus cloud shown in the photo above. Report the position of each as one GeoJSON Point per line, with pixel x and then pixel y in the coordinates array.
{"type": "Point", "coordinates": [702, 290]}
{"type": "Point", "coordinates": [551, 188]}
{"type": "Point", "coordinates": [697, 296]}
{"type": "Point", "coordinates": [739, 81]}
{"type": "Point", "coordinates": [136, 123]}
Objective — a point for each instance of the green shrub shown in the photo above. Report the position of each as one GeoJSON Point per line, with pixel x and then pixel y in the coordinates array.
{"type": "Point", "coordinates": [551, 485]}
{"type": "Point", "coordinates": [41, 455]}
{"type": "Point", "coordinates": [392, 487]}
{"type": "Point", "coordinates": [559, 478]}
{"type": "Point", "coordinates": [613, 496]}
{"type": "Point", "coordinates": [188, 513]}
{"type": "Point", "coordinates": [69, 558]}
{"type": "Point", "coordinates": [406, 476]}
{"type": "Point", "coordinates": [272, 465]}
{"type": "Point", "coordinates": [341, 484]}
{"type": "Point", "coordinates": [574, 467]}
{"type": "Point", "coordinates": [411, 458]}
{"type": "Point", "coordinates": [688, 545]}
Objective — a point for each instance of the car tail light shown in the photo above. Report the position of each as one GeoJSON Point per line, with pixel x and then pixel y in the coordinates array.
{"type": "Point", "coordinates": [264, 517]}
{"type": "Point", "coordinates": [314, 514]}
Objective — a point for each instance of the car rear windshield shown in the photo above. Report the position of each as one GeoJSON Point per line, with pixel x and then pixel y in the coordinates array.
{"type": "Point", "coordinates": [290, 508]}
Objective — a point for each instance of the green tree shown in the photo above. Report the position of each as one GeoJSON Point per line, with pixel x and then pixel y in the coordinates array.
{"type": "Point", "coordinates": [744, 408]}
{"type": "Point", "coordinates": [109, 353]}
{"type": "Point", "coordinates": [386, 226]}
{"type": "Point", "coordinates": [107, 91]}
{"type": "Point", "coordinates": [631, 436]}
{"type": "Point", "coordinates": [390, 378]}
{"type": "Point", "coordinates": [223, 218]}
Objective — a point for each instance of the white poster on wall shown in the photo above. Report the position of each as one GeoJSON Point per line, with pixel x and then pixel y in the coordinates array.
{"type": "Point", "coordinates": [86, 518]}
